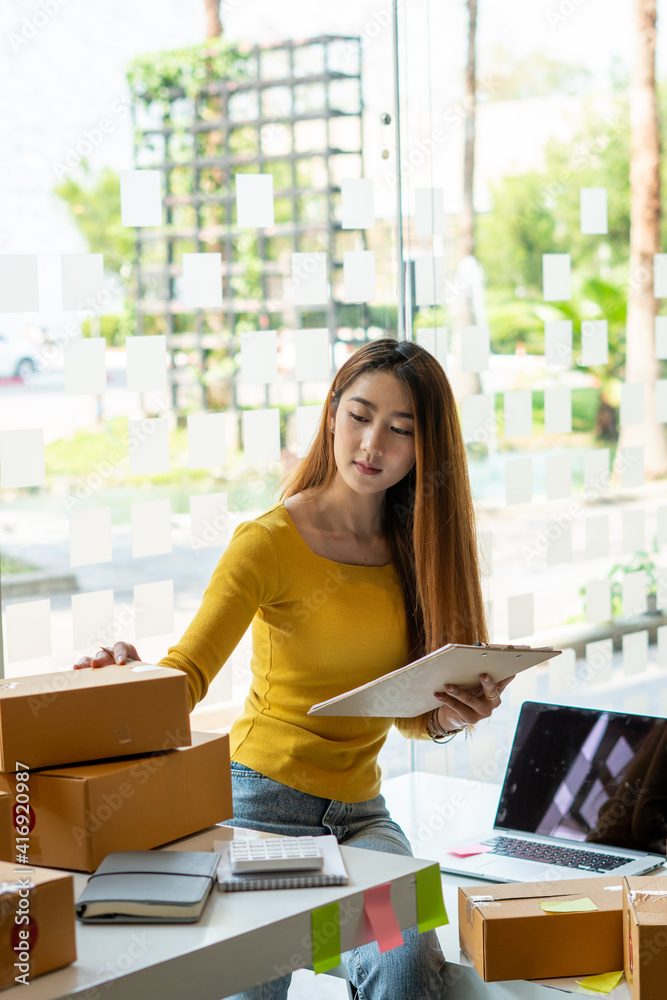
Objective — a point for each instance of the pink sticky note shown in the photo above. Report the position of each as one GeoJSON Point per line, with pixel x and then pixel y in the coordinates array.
{"type": "Point", "coordinates": [381, 917]}
{"type": "Point", "coordinates": [466, 852]}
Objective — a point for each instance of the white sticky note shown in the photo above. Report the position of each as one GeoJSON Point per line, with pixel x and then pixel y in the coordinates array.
{"type": "Point", "coordinates": [662, 525]}
{"type": "Point", "coordinates": [357, 204]}
{"type": "Point", "coordinates": [149, 446]}
{"type": "Point", "coordinates": [631, 464]}
{"type": "Point", "coordinates": [593, 211]}
{"type": "Point", "coordinates": [662, 646]}
{"type": "Point", "coordinates": [28, 630]}
{"type": "Point", "coordinates": [597, 536]}
{"type": "Point", "coordinates": [558, 342]}
{"type": "Point", "coordinates": [598, 601]}
{"type": "Point", "coordinates": [82, 280]}
{"type": "Point", "coordinates": [429, 211]}
{"type": "Point", "coordinates": [359, 275]}
{"type": "Point", "coordinates": [153, 609]}
{"type": "Point", "coordinates": [633, 599]}
{"type": "Point", "coordinates": [559, 476]}
{"type": "Point", "coordinates": [632, 403]}
{"type": "Point", "coordinates": [85, 366]}
{"type": "Point", "coordinates": [309, 279]}
{"type": "Point", "coordinates": [661, 401]}
{"type": "Point", "coordinates": [254, 200]}
{"type": "Point", "coordinates": [206, 440]}
{"type": "Point", "coordinates": [518, 480]}
{"type": "Point", "coordinates": [209, 520]}
{"type": "Point", "coordinates": [518, 410]}
{"type": "Point", "coordinates": [660, 330]}
{"type": "Point", "coordinates": [259, 356]}
{"type": "Point", "coordinates": [313, 355]}
{"type": "Point", "coordinates": [635, 652]}
{"type": "Point", "coordinates": [22, 458]}
{"type": "Point", "coordinates": [636, 704]}
{"type": "Point", "coordinates": [477, 418]}
{"type": "Point", "coordinates": [435, 340]}
{"type": "Point", "coordinates": [19, 285]}
{"type": "Point", "coordinates": [307, 422]}
{"type": "Point", "coordinates": [660, 275]}
{"type": "Point", "coordinates": [146, 362]}
{"type": "Point", "coordinates": [485, 554]}
{"type": "Point", "coordinates": [599, 661]}
{"type": "Point", "coordinates": [558, 410]}
{"type": "Point", "coordinates": [93, 620]}
{"type": "Point", "coordinates": [90, 536]}
{"type": "Point", "coordinates": [634, 530]}
{"type": "Point", "coordinates": [594, 342]}
{"type": "Point", "coordinates": [261, 435]}
{"type": "Point", "coordinates": [520, 616]}
{"type": "Point", "coordinates": [559, 543]}
{"type": "Point", "coordinates": [556, 276]}
{"type": "Point", "coordinates": [202, 280]}
{"type": "Point", "coordinates": [562, 673]}
{"type": "Point", "coordinates": [140, 198]}
{"type": "Point", "coordinates": [597, 472]}
{"type": "Point", "coordinates": [475, 348]}
{"type": "Point", "coordinates": [430, 280]}
{"type": "Point", "coordinates": [151, 528]}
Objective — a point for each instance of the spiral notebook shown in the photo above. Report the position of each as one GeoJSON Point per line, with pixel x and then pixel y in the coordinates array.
{"type": "Point", "coordinates": [332, 872]}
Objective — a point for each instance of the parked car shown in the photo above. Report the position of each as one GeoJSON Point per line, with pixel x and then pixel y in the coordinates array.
{"type": "Point", "coordinates": [18, 358]}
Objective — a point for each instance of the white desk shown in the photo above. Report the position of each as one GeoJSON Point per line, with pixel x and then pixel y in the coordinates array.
{"type": "Point", "coordinates": [242, 939]}
{"type": "Point", "coordinates": [436, 812]}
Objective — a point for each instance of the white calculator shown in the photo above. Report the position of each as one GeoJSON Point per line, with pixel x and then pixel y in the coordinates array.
{"type": "Point", "coordinates": [272, 854]}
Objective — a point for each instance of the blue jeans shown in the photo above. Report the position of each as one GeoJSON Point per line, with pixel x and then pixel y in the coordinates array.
{"type": "Point", "coordinates": [413, 971]}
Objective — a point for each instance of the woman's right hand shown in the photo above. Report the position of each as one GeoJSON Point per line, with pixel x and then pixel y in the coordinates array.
{"type": "Point", "coordinates": [122, 652]}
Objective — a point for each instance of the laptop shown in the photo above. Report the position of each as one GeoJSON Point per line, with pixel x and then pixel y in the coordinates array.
{"type": "Point", "coordinates": [585, 793]}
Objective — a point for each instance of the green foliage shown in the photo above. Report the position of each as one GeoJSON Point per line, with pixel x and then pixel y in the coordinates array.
{"type": "Point", "coordinates": [154, 76]}
{"type": "Point", "coordinates": [94, 205]}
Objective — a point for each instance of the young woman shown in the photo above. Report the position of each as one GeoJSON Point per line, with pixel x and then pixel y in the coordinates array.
{"type": "Point", "coordinates": [368, 561]}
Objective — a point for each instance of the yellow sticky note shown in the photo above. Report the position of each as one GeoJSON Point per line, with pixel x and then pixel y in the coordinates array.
{"type": "Point", "coordinates": [568, 906]}
{"type": "Point", "coordinates": [603, 983]}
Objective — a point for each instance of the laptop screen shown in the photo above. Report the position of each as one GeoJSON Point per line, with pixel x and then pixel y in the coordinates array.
{"type": "Point", "coordinates": [587, 775]}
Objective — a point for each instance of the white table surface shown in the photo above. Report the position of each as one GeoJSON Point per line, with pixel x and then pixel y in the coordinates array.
{"type": "Point", "coordinates": [436, 812]}
{"type": "Point", "coordinates": [241, 940]}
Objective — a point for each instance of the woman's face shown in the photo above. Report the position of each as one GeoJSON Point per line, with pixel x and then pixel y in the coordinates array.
{"type": "Point", "coordinates": [374, 426]}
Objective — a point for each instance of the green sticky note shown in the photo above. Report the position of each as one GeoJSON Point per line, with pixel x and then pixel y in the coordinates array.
{"type": "Point", "coordinates": [325, 929]}
{"type": "Point", "coordinates": [568, 906]}
{"type": "Point", "coordinates": [603, 983]}
{"type": "Point", "coordinates": [431, 910]}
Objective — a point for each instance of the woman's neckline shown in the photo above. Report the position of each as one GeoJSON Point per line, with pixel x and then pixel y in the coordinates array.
{"type": "Point", "coordinates": [318, 556]}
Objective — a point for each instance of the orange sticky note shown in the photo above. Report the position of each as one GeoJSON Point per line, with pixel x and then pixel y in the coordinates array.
{"type": "Point", "coordinates": [467, 852]}
{"type": "Point", "coordinates": [381, 917]}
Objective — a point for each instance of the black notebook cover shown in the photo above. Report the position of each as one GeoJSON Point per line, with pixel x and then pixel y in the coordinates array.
{"type": "Point", "coordinates": [148, 887]}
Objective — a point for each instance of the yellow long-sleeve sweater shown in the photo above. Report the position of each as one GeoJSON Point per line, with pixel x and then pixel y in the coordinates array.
{"type": "Point", "coordinates": [319, 628]}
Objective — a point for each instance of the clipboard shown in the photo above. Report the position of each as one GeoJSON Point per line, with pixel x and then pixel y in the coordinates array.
{"type": "Point", "coordinates": [408, 691]}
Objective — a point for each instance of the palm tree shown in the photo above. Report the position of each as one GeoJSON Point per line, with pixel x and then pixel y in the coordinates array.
{"type": "Point", "coordinates": [641, 363]}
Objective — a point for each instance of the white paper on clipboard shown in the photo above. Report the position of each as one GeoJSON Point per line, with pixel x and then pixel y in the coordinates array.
{"type": "Point", "coordinates": [408, 691]}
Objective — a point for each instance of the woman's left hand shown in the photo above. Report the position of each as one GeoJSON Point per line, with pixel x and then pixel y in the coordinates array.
{"type": "Point", "coordinates": [464, 708]}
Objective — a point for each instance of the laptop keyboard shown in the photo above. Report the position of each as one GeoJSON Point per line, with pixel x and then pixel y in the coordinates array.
{"type": "Point", "coordinates": [570, 857]}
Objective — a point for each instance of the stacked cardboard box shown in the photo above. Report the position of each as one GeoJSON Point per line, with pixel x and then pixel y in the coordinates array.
{"type": "Point", "coordinates": [103, 760]}
{"type": "Point", "coordinates": [645, 936]}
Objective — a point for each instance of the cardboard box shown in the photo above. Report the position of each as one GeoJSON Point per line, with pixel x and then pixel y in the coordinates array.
{"type": "Point", "coordinates": [645, 936]}
{"type": "Point", "coordinates": [78, 815]}
{"type": "Point", "coordinates": [507, 935]}
{"type": "Point", "coordinates": [36, 923]}
{"type": "Point", "coordinates": [81, 715]}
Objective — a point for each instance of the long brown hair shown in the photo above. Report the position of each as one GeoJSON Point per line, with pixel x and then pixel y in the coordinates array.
{"type": "Point", "coordinates": [429, 519]}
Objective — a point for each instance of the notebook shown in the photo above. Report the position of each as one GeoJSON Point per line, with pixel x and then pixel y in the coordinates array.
{"type": "Point", "coordinates": [408, 691]}
{"type": "Point", "coordinates": [148, 887]}
{"type": "Point", "coordinates": [332, 872]}
{"type": "Point", "coordinates": [585, 793]}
